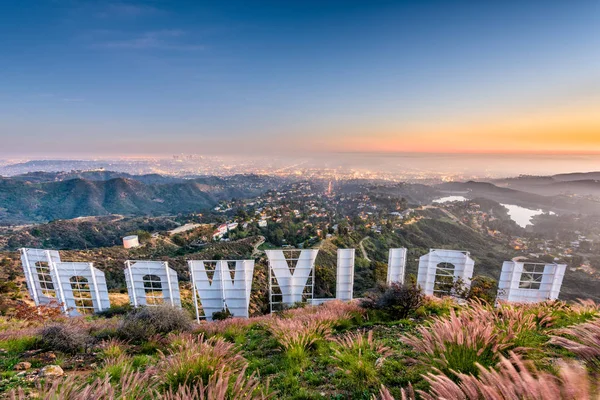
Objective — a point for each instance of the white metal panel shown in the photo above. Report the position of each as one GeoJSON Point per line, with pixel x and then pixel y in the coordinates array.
{"type": "Point", "coordinates": [291, 283]}
{"type": "Point", "coordinates": [83, 287]}
{"type": "Point", "coordinates": [522, 282]}
{"type": "Point", "coordinates": [222, 290]}
{"type": "Point", "coordinates": [345, 274]}
{"type": "Point", "coordinates": [208, 286]}
{"type": "Point", "coordinates": [38, 267]}
{"type": "Point", "coordinates": [430, 268]}
{"type": "Point", "coordinates": [396, 265]}
{"type": "Point", "coordinates": [152, 283]}
{"type": "Point", "coordinates": [237, 288]}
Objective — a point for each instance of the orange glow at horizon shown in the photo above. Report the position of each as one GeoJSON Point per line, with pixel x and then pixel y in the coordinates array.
{"type": "Point", "coordinates": [575, 131]}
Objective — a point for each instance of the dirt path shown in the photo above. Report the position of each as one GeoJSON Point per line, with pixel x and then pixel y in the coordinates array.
{"type": "Point", "coordinates": [261, 240]}
{"type": "Point", "coordinates": [362, 249]}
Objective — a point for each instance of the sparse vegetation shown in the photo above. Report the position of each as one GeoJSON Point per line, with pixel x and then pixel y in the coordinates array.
{"type": "Point", "coordinates": [335, 350]}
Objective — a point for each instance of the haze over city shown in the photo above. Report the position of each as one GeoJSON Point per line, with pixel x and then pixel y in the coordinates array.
{"type": "Point", "coordinates": [106, 79]}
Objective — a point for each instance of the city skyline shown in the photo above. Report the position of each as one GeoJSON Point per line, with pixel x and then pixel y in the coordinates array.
{"type": "Point", "coordinates": [153, 78]}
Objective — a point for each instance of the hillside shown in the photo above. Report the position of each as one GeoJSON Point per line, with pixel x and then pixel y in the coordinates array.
{"type": "Point", "coordinates": [583, 184]}
{"type": "Point", "coordinates": [527, 197]}
{"type": "Point", "coordinates": [40, 176]}
{"type": "Point", "coordinates": [26, 201]}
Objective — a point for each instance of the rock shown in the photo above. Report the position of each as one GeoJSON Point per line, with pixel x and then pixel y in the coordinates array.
{"type": "Point", "coordinates": [47, 357]}
{"type": "Point", "coordinates": [51, 371]}
{"type": "Point", "coordinates": [22, 366]}
{"type": "Point", "coordinates": [30, 353]}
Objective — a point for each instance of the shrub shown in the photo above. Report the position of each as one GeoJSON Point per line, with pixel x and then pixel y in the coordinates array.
{"type": "Point", "coordinates": [144, 322]}
{"type": "Point", "coordinates": [397, 300]}
{"type": "Point", "coordinates": [66, 338]}
{"type": "Point", "coordinates": [114, 311]}
{"type": "Point", "coordinates": [40, 314]}
{"type": "Point", "coordinates": [435, 306]}
{"type": "Point", "coordinates": [222, 315]}
{"type": "Point", "coordinates": [483, 288]}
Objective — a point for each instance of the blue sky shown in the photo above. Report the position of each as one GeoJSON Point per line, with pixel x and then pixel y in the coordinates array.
{"type": "Point", "coordinates": [161, 77]}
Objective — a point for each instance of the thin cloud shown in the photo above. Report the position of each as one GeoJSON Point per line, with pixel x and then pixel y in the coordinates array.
{"type": "Point", "coordinates": [168, 39]}
{"type": "Point", "coordinates": [126, 10]}
{"type": "Point", "coordinates": [55, 97]}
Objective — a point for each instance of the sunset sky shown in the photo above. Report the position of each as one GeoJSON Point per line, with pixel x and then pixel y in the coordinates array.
{"type": "Point", "coordinates": [162, 77]}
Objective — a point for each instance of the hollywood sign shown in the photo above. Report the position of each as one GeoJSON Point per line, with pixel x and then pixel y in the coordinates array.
{"type": "Point", "coordinates": [80, 288]}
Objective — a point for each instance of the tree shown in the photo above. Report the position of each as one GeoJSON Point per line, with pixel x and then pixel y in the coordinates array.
{"type": "Point", "coordinates": [380, 271]}
{"type": "Point", "coordinates": [483, 288]}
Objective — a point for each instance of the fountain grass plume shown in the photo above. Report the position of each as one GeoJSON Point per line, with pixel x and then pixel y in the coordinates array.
{"type": "Point", "coordinates": [132, 385]}
{"type": "Point", "coordinates": [223, 385]}
{"type": "Point", "coordinates": [192, 359]}
{"type": "Point", "coordinates": [582, 339]}
{"type": "Point", "coordinates": [458, 341]}
{"type": "Point", "coordinates": [359, 341]}
{"type": "Point", "coordinates": [514, 379]}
